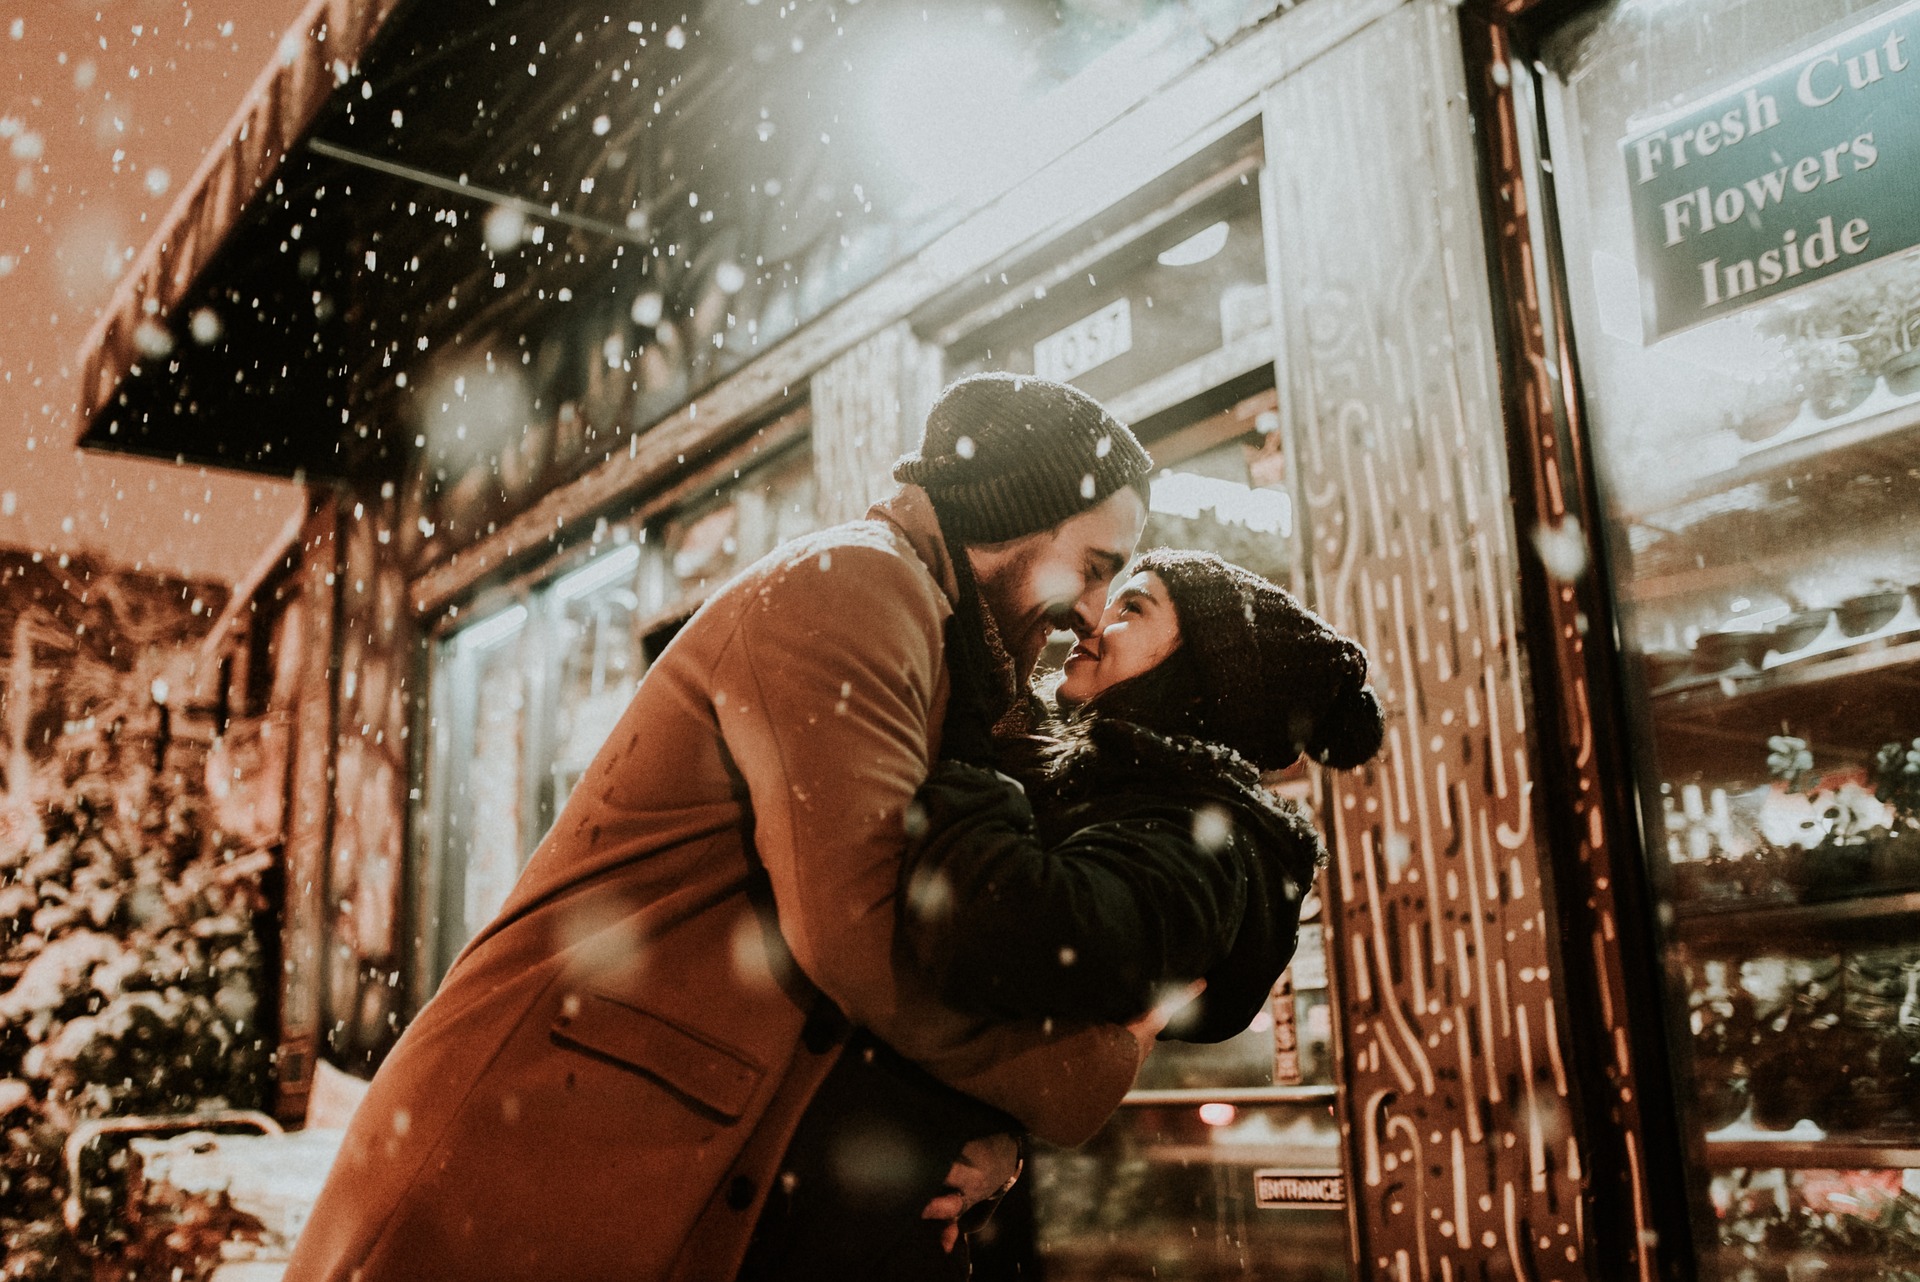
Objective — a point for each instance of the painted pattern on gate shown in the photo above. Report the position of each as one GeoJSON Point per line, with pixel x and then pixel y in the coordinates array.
{"type": "Point", "coordinates": [1462, 1148]}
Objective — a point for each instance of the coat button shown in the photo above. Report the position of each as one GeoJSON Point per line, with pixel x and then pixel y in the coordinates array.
{"type": "Point", "coordinates": [825, 1028]}
{"type": "Point", "coordinates": [740, 1192]}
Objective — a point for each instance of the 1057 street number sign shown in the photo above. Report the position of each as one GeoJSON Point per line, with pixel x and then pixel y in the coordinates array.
{"type": "Point", "coordinates": [1804, 170]}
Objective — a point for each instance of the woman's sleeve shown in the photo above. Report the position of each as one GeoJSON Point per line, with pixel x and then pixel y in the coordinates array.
{"type": "Point", "coordinates": [1092, 927]}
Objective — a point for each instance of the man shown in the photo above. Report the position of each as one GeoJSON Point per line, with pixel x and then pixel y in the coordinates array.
{"type": "Point", "coordinates": [607, 1081]}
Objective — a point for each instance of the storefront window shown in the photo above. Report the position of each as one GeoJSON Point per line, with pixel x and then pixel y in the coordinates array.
{"type": "Point", "coordinates": [1171, 314]}
{"type": "Point", "coordinates": [707, 542]}
{"type": "Point", "coordinates": [1198, 1190]}
{"type": "Point", "coordinates": [525, 694]}
{"type": "Point", "coordinates": [1231, 495]}
{"type": "Point", "coordinates": [595, 610]}
{"type": "Point", "coordinates": [1734, 183]}
{"type": "Point", "coordinates": [1222, 486]}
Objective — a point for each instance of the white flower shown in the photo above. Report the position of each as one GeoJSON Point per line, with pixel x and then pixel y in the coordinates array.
{"type": "Point", "coordinates": [61, 969]}
{"type": "Point", "coordinates": [20, 832]}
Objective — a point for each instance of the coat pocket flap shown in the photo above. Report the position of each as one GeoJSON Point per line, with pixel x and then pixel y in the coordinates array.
{"type": "Point", "coordinates": [719, 1080]}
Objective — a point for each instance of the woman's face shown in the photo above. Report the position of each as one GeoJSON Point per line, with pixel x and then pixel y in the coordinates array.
{"type": "Point", "coordinates": [1138, 630]}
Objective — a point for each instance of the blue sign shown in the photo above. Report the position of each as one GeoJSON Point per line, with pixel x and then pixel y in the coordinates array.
{"type": "Point", "coordinates": [1802, 171]}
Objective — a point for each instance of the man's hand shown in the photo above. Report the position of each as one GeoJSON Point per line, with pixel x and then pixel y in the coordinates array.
{"type": "Point", "coordinates": [1147, 1028]}
{"type": "Point", "coordinates": [987, 1168]}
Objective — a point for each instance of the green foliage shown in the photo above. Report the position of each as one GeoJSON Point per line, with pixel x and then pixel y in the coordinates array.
{"type": "Point", "coordinates": [1896, 778]}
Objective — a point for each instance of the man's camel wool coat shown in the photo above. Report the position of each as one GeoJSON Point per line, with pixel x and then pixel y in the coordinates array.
{"type": "Point", "coordinates": [606, 1081]}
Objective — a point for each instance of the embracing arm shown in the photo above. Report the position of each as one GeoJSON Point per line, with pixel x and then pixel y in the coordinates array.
{"type": "Point", "coordinates": [826, 698]}
{"type": "Point", "coordinates": [1096, 926]}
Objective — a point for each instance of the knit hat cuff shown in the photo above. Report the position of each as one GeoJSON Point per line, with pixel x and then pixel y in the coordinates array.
{"type": "Point", "coordinates": [1006, 455]}
{"type": "Point", "coordinates": [995, 509]}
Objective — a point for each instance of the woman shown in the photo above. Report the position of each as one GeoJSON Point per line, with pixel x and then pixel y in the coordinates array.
{"type": "Point", "coordinates": [1144, 852]}
{"type": "Point", "coordinates": [1136, 854]}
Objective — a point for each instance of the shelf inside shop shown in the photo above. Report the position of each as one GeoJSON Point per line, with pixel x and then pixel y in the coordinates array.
{"type": "Point", "coordinates": [1757, 525]}
{"type": "Point", "coordinates": [1868, 691]}
{"type": "Point", "coordinates": [1858, 657]}
{"type": "Point", "coordinates": [1843, 920]}
{"type": "Point", "coordinates": [1235, 1094]}
{"type": "Point", "coordinates": [1828, 1266]}
{"type": "Point", "coordinates": [1865, 438]}
{"type": "Point", "coordinates": [1812, 1155]}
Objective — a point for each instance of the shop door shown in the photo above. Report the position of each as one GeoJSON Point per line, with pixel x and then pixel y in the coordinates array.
{"type": "Point", "coordinates": [1734, 188]}
{"type": "Point", "coordinates": [1225, 1161]}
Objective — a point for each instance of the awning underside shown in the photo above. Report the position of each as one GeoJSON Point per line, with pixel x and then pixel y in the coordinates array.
{"type": "Point", "coordinates": [623, 204]}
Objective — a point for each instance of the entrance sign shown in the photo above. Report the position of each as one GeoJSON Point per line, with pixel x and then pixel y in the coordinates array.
{"type": "Point", "coordinates": [1295, 1190]}
{"type": "Point", "coordinates": [1804, 170]}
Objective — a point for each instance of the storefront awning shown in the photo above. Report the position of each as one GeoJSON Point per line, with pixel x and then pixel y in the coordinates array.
{"type": "Point", "coordinates": [318, 54]}
{"type": "Point", "coordinates": [487, 243]}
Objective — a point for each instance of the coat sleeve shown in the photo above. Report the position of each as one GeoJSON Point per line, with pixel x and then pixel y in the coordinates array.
{"type": "Point", "coordinates": [1092, 927]}
{"type": "Point", "coordinates": [826, 698]}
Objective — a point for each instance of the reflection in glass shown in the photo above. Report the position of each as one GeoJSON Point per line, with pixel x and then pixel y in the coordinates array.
{"type": "Point", "coordinates": [496, 783]}
{"type": "Point", "coordinates": [1758, 482]}
{"type": "Point", "coordinates": [1844, 1224]}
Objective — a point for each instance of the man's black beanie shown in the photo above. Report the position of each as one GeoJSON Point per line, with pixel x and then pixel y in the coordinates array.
{"type": "Point", "coordinates": [1006, 455]}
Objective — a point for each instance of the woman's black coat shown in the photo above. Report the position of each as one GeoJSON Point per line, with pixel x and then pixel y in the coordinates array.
{"type": "Point", "coordinates": [1140, 862]}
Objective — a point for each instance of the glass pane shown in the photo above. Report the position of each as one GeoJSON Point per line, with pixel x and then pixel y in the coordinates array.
{"type": "Point", "coordinates": [1830, 1224]}
{"type": "Point", "coordinates": [1290, 1043]}
{"type": "Point", "coordinates": [1758, 476]}
{"type": "Point", "coordinates": [1808, 1044]}
{"type": "Point", "coordinates": [1223, 487]}
{"type": "Point", "coordinates": [1170, 1192]}
{"type": "Point", "coordinates": [1173, 323]}
{"type": "Point", "coordinates": [495, 793]}
{"type": "Point", "coordinates": [596, 615]}
{"type": "Point", "coordinates": [488, 815]}
{"type": "Point", "coordinates": [706, 543]}
{"type": "Point", "coordinates": [1231, 498]}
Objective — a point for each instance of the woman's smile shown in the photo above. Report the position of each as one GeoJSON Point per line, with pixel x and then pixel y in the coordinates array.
{"type": "Point", "coordinates": [1138, 629]}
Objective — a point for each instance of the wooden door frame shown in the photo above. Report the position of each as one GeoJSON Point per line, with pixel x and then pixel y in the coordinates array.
{"type": "Point", "coordinates": [1637, 1193]}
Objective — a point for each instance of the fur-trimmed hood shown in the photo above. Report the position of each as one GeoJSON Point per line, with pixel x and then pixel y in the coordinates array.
{"type": "Point", "coordinates": [1098, 755]}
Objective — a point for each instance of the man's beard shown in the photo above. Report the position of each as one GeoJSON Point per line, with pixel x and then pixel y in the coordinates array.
{"type": "Point", "coordinates": [1022, 624]}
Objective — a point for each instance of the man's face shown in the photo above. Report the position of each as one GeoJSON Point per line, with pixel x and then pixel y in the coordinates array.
{"type": "Point", "coordinates": [1057, 578]}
